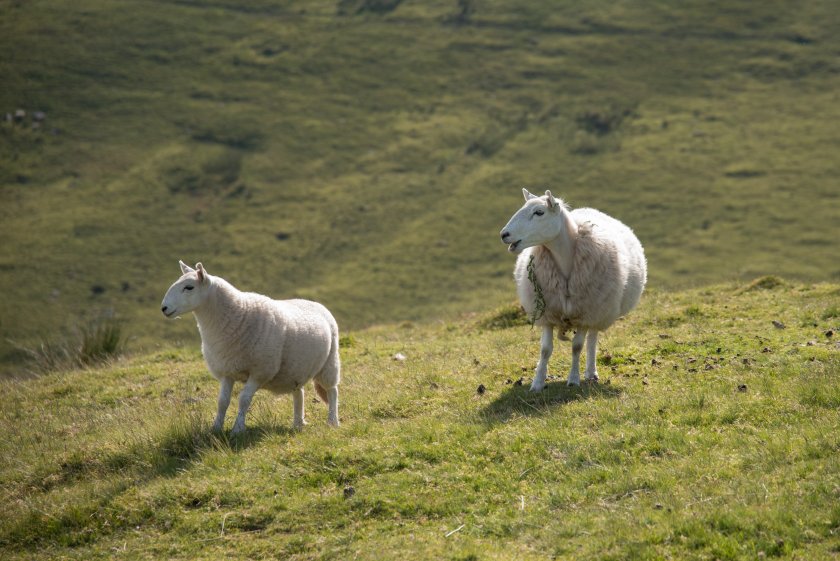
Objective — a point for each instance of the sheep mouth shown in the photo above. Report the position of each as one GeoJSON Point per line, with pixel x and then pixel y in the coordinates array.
{"type": "Point", "coordinates": [170, 314]}
{"type": "Point", "coordinates": [514, 246]}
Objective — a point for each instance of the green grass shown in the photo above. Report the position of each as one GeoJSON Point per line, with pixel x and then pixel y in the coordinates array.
{"type": "Point", "coordinates": [367, 153]}
{"type": "Point", "coordinates": [713, 435]}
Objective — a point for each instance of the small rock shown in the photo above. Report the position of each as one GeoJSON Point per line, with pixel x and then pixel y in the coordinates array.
{"type": "Point", "coordinates": [349, 491]}
{"type": "Point", "coordinates": [742, 388]}
{"type": "Point", "coordinates": [766, 350]}
{"type": "Point", "coordinates": [433, 386]}
{"type": "Point", "coordinates": [481, 389]}
{"type": "Point", "coordinates": [829, 333]}
{"type": "Point", "coordinates": [658, 506]}
{"type": "Point", "coordinates": [708, 367]}
{"type": "Point", "coordinates": [778, 324]}
{"type": "Point", "coordinates": [664, 336]}
{"type": "Point", "coordinates": [20, 114]}
{"type": "Point", "coordinates": [645, 381]}
{"type": "Point", "coordinates": [745, 360]}
{"type": "Point", "coordinates": [719, 350]}
{"type": "Point", "coordinates": [508, 382]}
{"type": "Point", "coordinates": [518, 382]}
{"type": "Point", "coordinates": [810, 343]}
{"type": "Point", "coordinates": [399, 357]}
{"type": "Point", "coordinates": [39, 116]}
{"type": "Point", "coordinates": [654, 362]}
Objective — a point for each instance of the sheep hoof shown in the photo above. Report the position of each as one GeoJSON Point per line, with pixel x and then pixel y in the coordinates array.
{"type": "Point", "coordinates": [237, 430]}
{"type": "Point", "coordinates": [298, 425]}
{"type": "Point", "coordinates": [537, 387]}
{"type": "Point", "coordinates": [571, 383]}
{"type": "Point", "coordinates": [333, 422]}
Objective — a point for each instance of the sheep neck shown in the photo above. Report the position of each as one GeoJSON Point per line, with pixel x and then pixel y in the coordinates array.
{"type": "Point", "coordinates": [562, 248]}
{"type": "Point", "coordinates": [216, 317]}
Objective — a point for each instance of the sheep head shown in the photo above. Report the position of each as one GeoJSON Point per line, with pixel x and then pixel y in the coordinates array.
{"type": "Point", "coordinates": [540, 220]}
{"type": "Point", "coordinates": [187, 293]}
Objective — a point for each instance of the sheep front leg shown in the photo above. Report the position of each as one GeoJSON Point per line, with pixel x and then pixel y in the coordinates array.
{"type": "Point", "coordinates": [577, 346]}
{"type": "Point", "coordinates": [224, 400]}
{"type": "Point", "coordinates": [245, 396]}
{"type": "Point", "coordinates": [591, 373]}
{"type": "Point", "coordinates": [299, 421]}
{"type": "Point", "coordinates": [546, 348]}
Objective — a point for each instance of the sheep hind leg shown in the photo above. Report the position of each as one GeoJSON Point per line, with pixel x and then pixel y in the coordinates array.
{"type": "Point", "coordinates": [577, 346]}
{"type": "Point", "coordinates": [245, 397]}
{"type": "Point", "coordinates": [225, 390]}
{"type": "Point", "coordinates": [591, 373]}
{"type": "Point", "coordinates": [326, 383]}
{"type": "Point", "coordinates": [330, 397]}
{"type": "Point", "coordinates": [546, 348]}
{"type": "Point", "coordinates": [299, 420]}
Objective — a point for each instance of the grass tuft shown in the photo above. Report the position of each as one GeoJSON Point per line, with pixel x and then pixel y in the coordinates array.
{"type": "Point", "coordinates": [768, 282]}
{"type": "Point", "coordinates": [95, 342]}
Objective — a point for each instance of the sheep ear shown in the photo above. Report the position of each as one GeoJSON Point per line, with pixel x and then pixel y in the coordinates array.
{"type": "Point", "coordinates": [202, 274]}
{"type": "Point", "coordinates": [185, 268]}
{"type": "Point", "coordinates": [550, 200]}
{"type": "Point", "coordinates": [528, 196]}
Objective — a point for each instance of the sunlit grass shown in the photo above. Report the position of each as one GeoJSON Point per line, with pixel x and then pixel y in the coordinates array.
{"type": "Point", "coordinates": [714, 437]}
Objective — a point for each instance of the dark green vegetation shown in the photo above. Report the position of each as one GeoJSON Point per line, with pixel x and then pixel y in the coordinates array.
{"type": "Point", "coordinates": [714, 434]}
{"type": "Point", "coordinates": [366, 152]}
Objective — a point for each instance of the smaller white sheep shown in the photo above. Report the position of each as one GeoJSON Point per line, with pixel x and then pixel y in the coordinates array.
{"type": "Point", "coordinates": [278, 345]}
{"type": "Point", "coordinates": [578, 270]}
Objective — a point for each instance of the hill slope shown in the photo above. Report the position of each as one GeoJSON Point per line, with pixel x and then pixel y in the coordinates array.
{"type": "Point", "coordinates": [714, 434]}
{"type": "Point", "coordinates": [366, 153]}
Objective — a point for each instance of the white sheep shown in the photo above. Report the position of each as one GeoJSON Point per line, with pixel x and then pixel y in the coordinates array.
{"type": "Point", "coordinates": [578, 270]}
{"type": "Point", "coordinates": [278, 345]}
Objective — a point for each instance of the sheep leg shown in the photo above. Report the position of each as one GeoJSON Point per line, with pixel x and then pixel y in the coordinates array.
{"type": "Point", "coordinates": [591, 373]}
{"type": "Point", "coordinates": [332, 395]}
{"type": "Point", "coordinates": [577, 346]}
{"type": "Point", "coordinates": [546, 348]}
{"type": "Point", "coordinates": [224, 400]}
{"type": "Point", "coordinates": [299, 421]}
{"type": "Point", "coordinates": [245, 396]}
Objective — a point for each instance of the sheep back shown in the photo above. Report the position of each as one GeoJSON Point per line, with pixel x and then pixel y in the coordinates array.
{"type": "Point", "coordinates": [606, 281]}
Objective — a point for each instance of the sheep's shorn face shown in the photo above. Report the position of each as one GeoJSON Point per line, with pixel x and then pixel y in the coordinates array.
{"type": "Point", "coordinates": [536, 223]}
{"type": "Point", "coordinates": [187, 293]}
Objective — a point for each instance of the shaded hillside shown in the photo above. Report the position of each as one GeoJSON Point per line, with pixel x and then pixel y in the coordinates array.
{"type": "Point", "coordinates": [366, 153]}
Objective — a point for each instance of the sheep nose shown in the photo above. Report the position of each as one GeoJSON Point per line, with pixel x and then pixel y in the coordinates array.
{"type": "Point", "coordinates": [505, 235]}
{"type": "Point", "coordinates": [164, 308]}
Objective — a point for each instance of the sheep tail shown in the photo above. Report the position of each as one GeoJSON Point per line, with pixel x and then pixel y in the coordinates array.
{"type": "Point", "coordinates": [322, 392]}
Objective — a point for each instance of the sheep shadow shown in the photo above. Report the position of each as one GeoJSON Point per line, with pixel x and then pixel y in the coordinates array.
{"type": "Point", "coordinates": [182, 443]}
{"type": "Point", "coordinates": [521, 401]}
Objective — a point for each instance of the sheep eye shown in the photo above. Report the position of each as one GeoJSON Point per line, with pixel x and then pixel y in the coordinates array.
{"type": "Point", "coordinates": [188, 287]}
{"type": "Point", "coordinates": [539, 212]}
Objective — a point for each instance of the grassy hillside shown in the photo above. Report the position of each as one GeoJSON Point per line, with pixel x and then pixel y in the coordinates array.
{"type": "Point", "coordinates": [366, 153]}
{"type": "Point", "coordinates": [713, 435]}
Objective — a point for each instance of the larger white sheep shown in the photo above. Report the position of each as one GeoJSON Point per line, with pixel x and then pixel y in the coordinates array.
{"type": "Point", "coordinates": [278, 345]}
{"type": "Point", "coordinates": [578, 270]}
